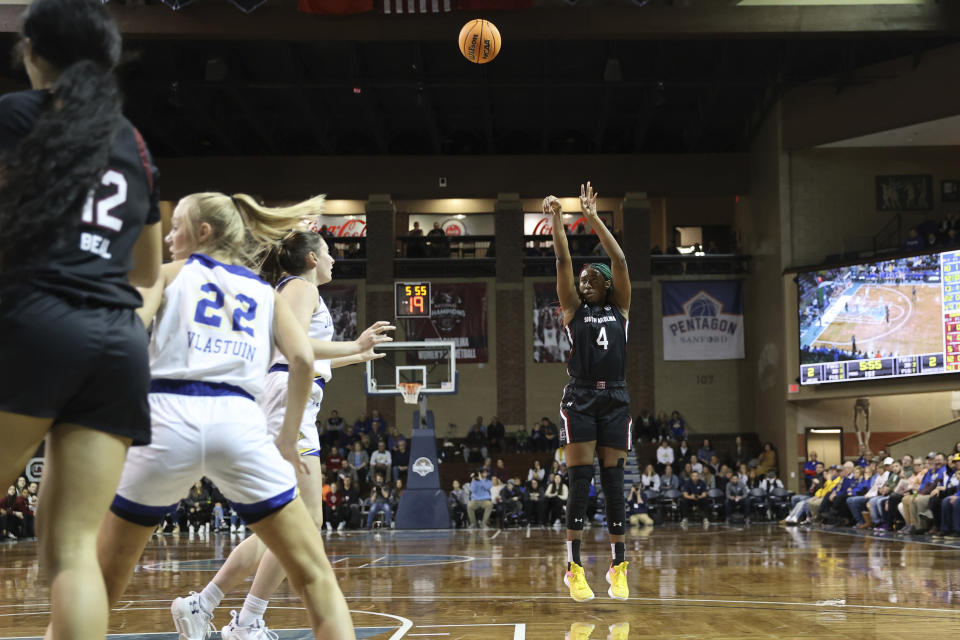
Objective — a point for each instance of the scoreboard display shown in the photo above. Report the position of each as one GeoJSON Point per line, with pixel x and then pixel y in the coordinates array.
{"type": "Point", "coordinates": [887, 319]}
{"type": "Point", "coordinates": [412, 299]}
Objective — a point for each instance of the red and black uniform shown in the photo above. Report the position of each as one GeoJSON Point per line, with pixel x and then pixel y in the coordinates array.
{"type": "Point", "coordinates": [595, 403]}
{"type": "Point", "coordinates": [72, 346]}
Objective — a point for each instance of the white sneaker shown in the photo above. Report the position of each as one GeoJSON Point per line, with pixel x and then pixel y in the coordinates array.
{"type": "Point", "coordinates": [190, 619]}
{"type": "Point", "coordinates": [706, 521]}
{"type": "Point", "coordinates": [190, 529]}
{"type": "Point", "coordinates": [342, 526]}
{"type": "Point", "coordinates": [233, 528]}
{"type": "Point", "coordinates": [329, 526]}
{"type": "Point", "coordinates": [257, 631]}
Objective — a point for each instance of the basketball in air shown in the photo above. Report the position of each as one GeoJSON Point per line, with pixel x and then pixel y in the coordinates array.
{"type": "Point", "coordinates": [479, 41]}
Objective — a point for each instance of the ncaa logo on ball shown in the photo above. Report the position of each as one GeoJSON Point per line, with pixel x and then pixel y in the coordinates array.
{"type": "Point", "coordinates": [423, 467]}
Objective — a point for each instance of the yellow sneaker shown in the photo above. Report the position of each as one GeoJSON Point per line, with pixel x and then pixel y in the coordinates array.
{"type": "Point", "coordinates": [579, 631]}
{"type": "Point", "coordinates": [574, 578]}
{"type": "Point", "coordinates": [619, 631]}
{"type": "Point", "coordinates": [617, 579]}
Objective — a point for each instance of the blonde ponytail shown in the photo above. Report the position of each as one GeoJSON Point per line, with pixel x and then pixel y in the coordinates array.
{"type": "Point", "coordinates": [243, 230]}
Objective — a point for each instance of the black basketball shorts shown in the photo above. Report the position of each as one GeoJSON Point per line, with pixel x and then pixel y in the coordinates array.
{"type": "Point", "coordinates": [78, 364]}
{"type": "Point", "coordinates": [587, 413]}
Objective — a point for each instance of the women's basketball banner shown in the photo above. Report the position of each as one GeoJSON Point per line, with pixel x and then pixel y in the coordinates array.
{"type": "Point", "coordinates": [550, 343]}
{"type": "Point", "coordinates": [703, 320]}
{"type": "Point", "coordinates": [458, 313]}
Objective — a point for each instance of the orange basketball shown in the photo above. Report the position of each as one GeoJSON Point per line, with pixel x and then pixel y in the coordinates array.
{"type": "Point", "coordinates": [479, 41]}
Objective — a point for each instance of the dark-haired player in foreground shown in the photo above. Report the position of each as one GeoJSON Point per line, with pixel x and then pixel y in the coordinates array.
{"type": "Point", "coordinates": [595, 408]}
{"type": "Point", "coordinates": [78, 229]}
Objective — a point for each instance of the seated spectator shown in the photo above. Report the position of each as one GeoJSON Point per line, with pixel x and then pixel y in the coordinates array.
{"type": "Point", "coordinates": [650, 480]}
{"type": "Point", "coordinates": [379, 502]}
{"type": "Point", "coordinates": [400, 459]}
{"type": "Point", "coordinates": [913, 241]}
{"type": "Point", "coordinates": [714, 463]}
{"type": "Point", "coordinates": [678, 427]}
{"type": "Point", "coordinates": [668, 480]}
{"type": "Point", "coordinates": [358, 463]}
{"type": "Point", "coordinates": [810, 469]}
{"type": "Point", "coordinates": [351, 502]}
{"type": "Point", "coordinates": [394, 437]}
{"type": "Point", "coordinates": [706, 452]}
{"type": "Point", "coordinates": [457, 503]}
{"type": "Point", "coordinates": [381, 460]}
{"type": "Point", "coordinates": [475, 448]}
{"type": "Point", "coordinates": [335, 513]}
{"type": "Point", "coordinates": [696, 465]}
{"type": "Point", "coordinates": [741, 454]}
{"type": "Point", "coordinates": [500, 471]}
{"type": "Point", "coordinates": [767, 459]}
{"type": "Point", "coordinates": [708, 478]}
{"type": "Point", "coordinates": [396, 492]}
{"type": "Point", "coordinates": [511, 501]}
{"type": "Point", "coordinates": [496, 434]}
{"type": "Point", "coordinates": [199, 506]}
{"type": "Point", "coordinates": [723, 477]}
{"type": "Point", "coordinates": [11, 520]}
{"type": "Point", "coordinates": [950, 506]}
{"type": "Point", "coordinates": [834, 507]}
{"type": "Point", "coordinates": [801, 504]}
{"type": "Point", "coordinates": [361, 425]}
{"type": "Point", "coordinates": [857, 502]}
{"type": "Point", "coordinates": [646, 426]}
{"type": "Point", "coordinates": [934, 482]}
{"type": "Point", "coordinates": [743, 474]}
{"type": "Point", "coordinates": [537, 440]}
{"type": "Point", "coordinates": [685, 473]}
{"type": "Point", "coordinates": [535, 505]}
{"type": "Point", "coordinates": [536, 472]}
{"type": "Point", "coordinates": [347, 439]}
{"type": "Point", "coordinates": [522, 438]}
{"type": "Point", "coordinates": [334, 462]}
{"type": "Point", "coordinates": [875, 504]}
{"type": "Point", "coordinates": [694, 497]}
{"type": "Point", "coordinates": [637, 508]}
{"type": "Point", "coordinates": [560, 457]}
{"type": "Point", "coordinates": [334, 429]}
{"type": "Point", "coordinates": [556, 496]}
{"type": "Point", "coordinates": [480, 498]}
{"type": "Point", "coordinates": [737, 497]}
{"type": "Point", "coordinates": [551, 435]}
{"type": "Point", "coordinates": [377, 425]}
{"type": "Point", "coordinates": [770, 482]}
{"type": "Point", "coordinates": [682, 453]}
{"type": "Point", "coordinates": [665, 456]}
{"type": "Point", "coordinates": [663, 425]}
{"type": "Point", "coordinates": [368, 444]}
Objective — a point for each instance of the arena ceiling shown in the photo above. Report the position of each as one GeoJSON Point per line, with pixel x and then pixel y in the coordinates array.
{"type": "Point", "coordinates": [224, 91]}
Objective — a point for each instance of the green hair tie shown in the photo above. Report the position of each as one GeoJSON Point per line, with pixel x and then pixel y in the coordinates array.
{"type": "Point", "coordinates": [603, 270]}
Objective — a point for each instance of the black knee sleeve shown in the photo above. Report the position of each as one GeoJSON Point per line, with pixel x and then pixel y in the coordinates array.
{"type": "Point", "coordinates": [611, 481]}
{"type": "Point", "coordinates": [579, 492]}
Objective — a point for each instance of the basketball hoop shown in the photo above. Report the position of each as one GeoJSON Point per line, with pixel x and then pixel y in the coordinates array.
{"type": "Point", "coordinates": [410, 391]}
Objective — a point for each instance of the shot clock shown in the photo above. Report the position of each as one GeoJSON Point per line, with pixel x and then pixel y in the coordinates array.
{"type": "Point", "coordinates": [412, 299]}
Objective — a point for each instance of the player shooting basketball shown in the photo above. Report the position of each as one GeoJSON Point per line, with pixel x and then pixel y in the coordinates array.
{"type": "Point", "coordinates": [595, 408]}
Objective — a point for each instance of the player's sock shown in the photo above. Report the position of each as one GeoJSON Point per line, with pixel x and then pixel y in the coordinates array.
{"type": "Point", "coordinates": [210, 597]}
{"type": "Point", "coordinates": [253, 610]}
{"type": "Point", "coordinates": [619, 552]}
{"type": "Point", "coordinates": [573, 552]}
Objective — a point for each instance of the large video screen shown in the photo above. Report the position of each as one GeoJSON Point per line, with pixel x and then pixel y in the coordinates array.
{"type": "Point", "coordinates": [888, 319]}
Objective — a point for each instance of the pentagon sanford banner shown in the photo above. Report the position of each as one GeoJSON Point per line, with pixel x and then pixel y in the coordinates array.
{"type": "Point", "coordinates": [703, 320]}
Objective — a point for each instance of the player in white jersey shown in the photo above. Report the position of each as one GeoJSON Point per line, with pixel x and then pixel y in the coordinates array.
{"type": "Point", "coordinates": [216, 323]}
{"type": "Point", "coordinates": [298, 265]}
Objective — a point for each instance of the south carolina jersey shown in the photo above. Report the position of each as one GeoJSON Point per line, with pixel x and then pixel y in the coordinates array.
{"type": "Point", "coordinates": [215, 325]}
{"type": "Point", "coordinates": [91, 262]}
{"type": "Point", "coordinates": [321, 328]}
{"type": "Point", "coordinates": [598, 343]}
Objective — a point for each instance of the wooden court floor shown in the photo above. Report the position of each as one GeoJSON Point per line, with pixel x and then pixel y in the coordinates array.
{"type": "Point", "coordinates": [763, 581]}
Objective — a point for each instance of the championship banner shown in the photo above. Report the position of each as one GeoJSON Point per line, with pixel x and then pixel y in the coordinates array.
{"type": "Point", "coordinates": [550, 342]}
{"type": "Point", "coordinates": [703, 320]}
{"type": "Point", "coordinates": [458, 314]}
{"type": "Point", "coordinates": [341, 300]}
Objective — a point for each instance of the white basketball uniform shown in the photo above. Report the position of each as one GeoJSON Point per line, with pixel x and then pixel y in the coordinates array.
{"type": "Point", "coordinates": [275, 399]}
{"type": "Point", "coordinates": [210, 347]}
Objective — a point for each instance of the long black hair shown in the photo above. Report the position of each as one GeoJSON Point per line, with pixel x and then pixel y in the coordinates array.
{"type": "Point", "coordinates": [46, 179]}
{"type": "Point", "coordinates": [290, 256]}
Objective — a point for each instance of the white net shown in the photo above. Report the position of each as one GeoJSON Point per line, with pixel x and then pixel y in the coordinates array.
{"type": "Point", "coordinates": [410, 391]}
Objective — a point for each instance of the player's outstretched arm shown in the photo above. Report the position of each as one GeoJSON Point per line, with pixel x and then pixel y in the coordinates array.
{"type": "Point", "coordinates": [372, 336]}
{"type": "Point", "coordinates": [153, 295]}
{"type": "Point", "coordinates": [618, 261]}
{"type": "Point", "coordinates": [566, 284]}
{"type": "Point", "coordinates": [360, 358]}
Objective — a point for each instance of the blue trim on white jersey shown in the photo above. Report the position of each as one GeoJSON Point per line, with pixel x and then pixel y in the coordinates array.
{"type": "Point", "coordinates": [284, 281]}
{"type": "Point", "coordinates": [317, 379]}
{"type": "Point", "coordinates": [252, 513]}
{"type": "Point", "coordinates": [139, 513]}
{"type": "Point", "coordinates": [235, 269]}
{"type": "Point", "coordinates": [197, 388]}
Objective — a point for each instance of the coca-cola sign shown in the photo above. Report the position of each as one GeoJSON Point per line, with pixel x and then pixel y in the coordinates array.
{"type": "Point", "coordinates": [352, 228]}
{"type": "Point", "coordinates": [453, 227]}
{"type": "Point", "coordinates": [537, 224]}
